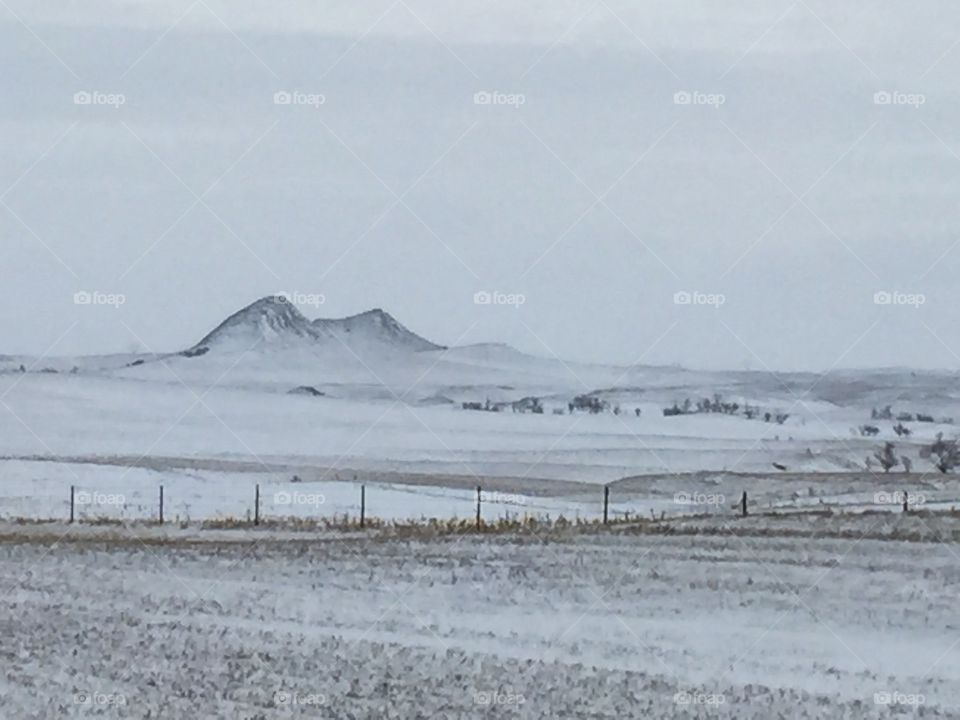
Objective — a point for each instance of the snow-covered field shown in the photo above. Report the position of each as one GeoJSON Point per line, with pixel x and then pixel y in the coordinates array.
{"type": "Point", "coordinates": [110, 489]}
{"type": "Point", "coordinates": [204, 431]}
{"type": "Point", "coordinates": [715, 618]}
{"type": "Point", "coordinates": [827, 601]}
{"type": "Point", "coordinates": [64, 415]}
{"type": "Point", "coordinates": [91, 415]}
{"type": "Point", "coordinates": [371, 397]}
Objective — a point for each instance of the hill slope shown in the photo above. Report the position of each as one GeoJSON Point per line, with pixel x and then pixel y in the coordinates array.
{"type": "Point", "coordinates": [273, 322]}
{"type": "Point", "coordinates": [374, 327]}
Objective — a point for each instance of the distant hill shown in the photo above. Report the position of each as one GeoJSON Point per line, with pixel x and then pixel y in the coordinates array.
{"type": "Point", "coordinates": [374, 327]}
{"type": "Point", "coordinates": [274, 322]}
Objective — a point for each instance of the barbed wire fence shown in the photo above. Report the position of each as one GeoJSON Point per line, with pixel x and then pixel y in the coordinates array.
{"type": "Point", "coordinates": [277, 503]}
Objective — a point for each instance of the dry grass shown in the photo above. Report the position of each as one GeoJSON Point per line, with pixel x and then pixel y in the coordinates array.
{"type": "Point", "coordinates": [915, 526]}
{"type": "Point", "coordinates": [305, 529]}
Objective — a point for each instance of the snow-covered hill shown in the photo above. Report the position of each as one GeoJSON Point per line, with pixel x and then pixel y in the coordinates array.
{"type": "Point", "coordinates": [270, 321]}
{"type": "Point", "coordinates": [274, 322]}
{"type": "Point", "coordinates": [373, 329]}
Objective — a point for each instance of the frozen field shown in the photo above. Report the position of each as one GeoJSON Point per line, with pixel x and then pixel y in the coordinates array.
{"type": "Point", "coordinates": [115, 488]}
{"type": "Point", "coordinates": [393, 413]}
{"type": "Point", "coordinates": [269, 394]}
{"type": "Point", "coordinates": [816, 617]}
{"type": "Point", "coordinates": [57, 415]}
{"type": "Point", "coordinates": [827, 601]}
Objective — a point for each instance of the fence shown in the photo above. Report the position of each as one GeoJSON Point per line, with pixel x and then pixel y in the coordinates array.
{"type": "Point", "coordinates": [294, 501]}
{"type": "Point", "coordinates": [259, 503]}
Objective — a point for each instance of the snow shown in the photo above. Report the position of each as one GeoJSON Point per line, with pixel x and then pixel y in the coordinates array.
{"type": "Point", "coordinates": [827, 600]}
{"type": "Point", "coordinates": [392, 415]}
{"type": "Point", "coordinates": [365, 331]}
{"type": "Point", "coordinates": [166, 410]}
{"type": "Point", "coordinates": [269, 320]}
{"type": "Point", "coordinates": [275, 322]}
{"type": "Point", "coordinates": [559, 624]}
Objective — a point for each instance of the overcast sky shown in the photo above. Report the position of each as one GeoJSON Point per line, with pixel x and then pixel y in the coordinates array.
{"type": "Point", "coordinates": [620, 153]}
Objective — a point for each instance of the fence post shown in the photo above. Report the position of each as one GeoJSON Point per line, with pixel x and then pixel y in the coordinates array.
{"type": "Point", "coordinates": [743, 504]}
{"type": "Point", "coordinates": [161, 504]}
{"type": "Point", "coordinates": [606, 502]}
{"type": "Point", "coordinates": [478, 506]}
{"type": "Point", "coordinates": [71, 502]}
{"type": "Point", "coordinates": [905, 500]}
{"type": "Point", "coordinates": [363, 504]}
{"type": "Point", "coordinates": [256, 506]}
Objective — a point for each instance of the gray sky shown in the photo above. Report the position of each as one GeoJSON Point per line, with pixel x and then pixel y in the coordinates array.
{"type": "Point", "coordinates": [785, 189]}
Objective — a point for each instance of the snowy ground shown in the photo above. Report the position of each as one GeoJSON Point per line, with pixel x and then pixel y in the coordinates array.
{"type": "Point", "coordinates": [109, 488]}
{"type": "Point", "coordinates": [56, 415]}
{"type": "Point", "coordinates": [828, 601]}
{"type": "Point", "coordinates": [818, 617]}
